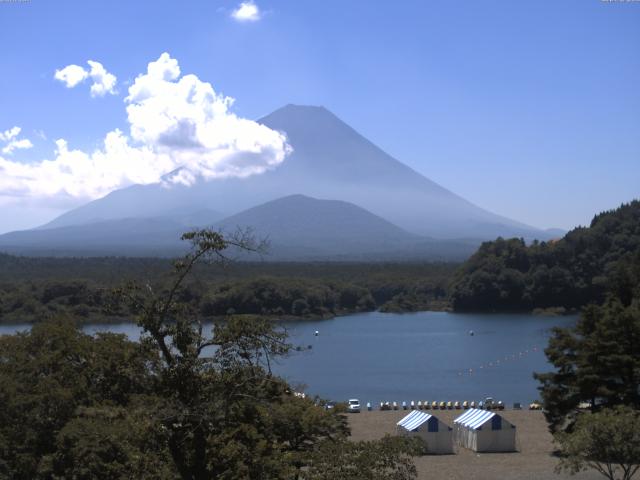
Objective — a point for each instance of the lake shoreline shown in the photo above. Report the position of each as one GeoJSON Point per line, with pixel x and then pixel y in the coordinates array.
{"type": "Point", "coordinates": [432, 356]}
{"type": "Point", "coordinates": [547, 312]}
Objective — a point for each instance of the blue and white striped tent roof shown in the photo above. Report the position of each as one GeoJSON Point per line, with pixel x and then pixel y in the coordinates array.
{"type": "Point", "coordinates": [474, 418]}
{"type": "Point", "coordinates": [412, 421]}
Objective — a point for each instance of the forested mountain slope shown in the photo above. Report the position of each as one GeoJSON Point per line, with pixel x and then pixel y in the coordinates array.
{"type": "Point", "coordinates": [571, 272]}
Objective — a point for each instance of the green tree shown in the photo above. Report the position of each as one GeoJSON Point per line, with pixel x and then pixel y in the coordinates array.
{"type": "Point", "coordinates": [185, 402]}
{"type": "Point", "coordinates": [51, 372]}
{"type": "Point", "coordinates": [302, 425]}
{"type": "Point", "coordinates": [607, 441]}
{"type": "Point", "coordinates": [105, 443]}
{"type": "Point", "coordinates": [597, 361]}
{"type": "Point", "coordinates": [385, 459]}
{"type": "Point", "coordinates": [217, 410]}
{"type": "Point", "coordinates": [225, 414]}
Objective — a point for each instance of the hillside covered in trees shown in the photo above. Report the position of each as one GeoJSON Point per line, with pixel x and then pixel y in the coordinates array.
{"type": "Point", "coordinates": [503, 275]}
{"type": "Point", "coordinates": [569, 273]}
{"type": "Point", "coordinates": [33, 289]}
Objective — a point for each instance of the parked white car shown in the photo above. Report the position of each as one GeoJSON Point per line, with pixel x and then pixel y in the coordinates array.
{"type": "Point", "coordinates": [354, 405]}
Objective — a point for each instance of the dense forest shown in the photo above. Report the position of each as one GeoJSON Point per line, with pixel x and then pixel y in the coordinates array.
{"type": "Point", "coordinates": [568, 273]}
{"type": "Point", "coordinates": [79, 406]}
{"type": "Point", "coordinates": [591, 396]}
{"type": "Point", "coordinates": [33, 289]}
{"type": "Point", "coordinates": [598, 359]}
{"type": "Point", "coordinates": [503, 275]}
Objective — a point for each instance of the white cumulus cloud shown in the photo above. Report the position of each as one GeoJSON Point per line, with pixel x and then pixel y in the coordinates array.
{"type": "Point", "coordinates": [103, 82]}
{"type": "Point", "coordinates": [71, 75]}
{"type": "Point", "coordinates": [81, 175]}
{"type": "Point", "coordinates": [246, 12]}
{"type": "Point", "coordinates": [178, 124]}
{"type": "Point", "coordinates": [11, 141]}
{"type": "Point", "coordinates": [185, 118]}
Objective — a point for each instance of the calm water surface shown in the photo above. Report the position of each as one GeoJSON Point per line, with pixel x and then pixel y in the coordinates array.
{"type": "Point", "coordinates": [418, 356]}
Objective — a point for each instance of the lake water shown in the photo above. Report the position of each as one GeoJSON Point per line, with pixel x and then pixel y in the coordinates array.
{"type": "Point", "coordinates": [416, 356]}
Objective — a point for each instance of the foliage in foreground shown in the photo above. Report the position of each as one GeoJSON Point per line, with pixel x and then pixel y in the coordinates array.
{"type": "Point", "coordinates": [183, 403]}
{"type": "Point", "coordinates": [58, 383]}
{"type": "Point", "coordinates": [598, 361]}
{"type": "Point", "coordinates": [607, 441]}
{"type": "Point", "coordinates": [386, 459]}
{"type": "Point", "coordinates": [597, 364]}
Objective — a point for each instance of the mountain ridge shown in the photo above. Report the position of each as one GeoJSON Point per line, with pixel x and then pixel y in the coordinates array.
{"type": "Point", "coordinates": [330, 160]}
{"type": "Point", "coordinates": [300, 228]}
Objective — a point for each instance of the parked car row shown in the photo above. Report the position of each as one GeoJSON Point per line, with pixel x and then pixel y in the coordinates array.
{"type": "Point", "coordinates": [353, 405]}
{"type": "Point", "coordinates": [488, 404]}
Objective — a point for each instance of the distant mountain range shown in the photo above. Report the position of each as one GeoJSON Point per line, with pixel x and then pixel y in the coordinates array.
{"type": "Point", "coordinates": [373, 206]}
{"type": "Point", "coordinates": [296, 227]}
{"type": "Point", "coordinates": [300, 227]}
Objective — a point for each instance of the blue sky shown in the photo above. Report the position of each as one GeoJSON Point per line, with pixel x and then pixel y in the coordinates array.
{"type": "Point", "coordinates": [530, 109]}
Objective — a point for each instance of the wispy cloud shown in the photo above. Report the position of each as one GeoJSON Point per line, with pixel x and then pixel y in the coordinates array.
{"type": "Point", "coordinates": [103, 82]}
{"type": "Point", "coordinates": [247, 12]}
{"type": "Point", "coordinates": [177, 123]}
{"type": "Point", "coordinates": [11, 141]}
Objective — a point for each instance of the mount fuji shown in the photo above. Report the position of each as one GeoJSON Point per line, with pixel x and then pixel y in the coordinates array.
{"type": "Point", "coordinates": [329, 161]}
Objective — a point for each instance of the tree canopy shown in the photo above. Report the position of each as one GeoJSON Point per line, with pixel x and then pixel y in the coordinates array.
{"type": "Point", "coordinates": [185, 402]}
{"type": "Point", "coordinates": [34, 289]}
{"type": "Point", "coordinates": [571, 272]}
{"type": "Point", "coordinates": [607, 441]}
{"type": "Point", "coordinates": [592, 397]}
{"type": "Point", "coordinates": [596, 363]}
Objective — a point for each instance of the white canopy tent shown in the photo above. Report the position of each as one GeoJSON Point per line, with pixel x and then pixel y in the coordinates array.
{"type": "Point", "coordinates": [437, 435]}
{"type": "Point", "coordinates": [484, 431]}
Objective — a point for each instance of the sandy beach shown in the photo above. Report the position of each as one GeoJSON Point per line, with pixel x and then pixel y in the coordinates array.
{"type": "Point", "coordinates": [533, 460]}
